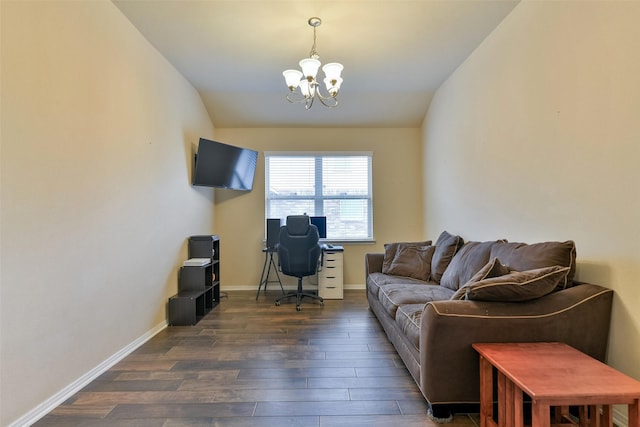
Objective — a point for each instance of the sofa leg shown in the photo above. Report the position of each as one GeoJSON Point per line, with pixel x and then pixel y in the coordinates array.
{"type": "Point", "coordinates": [440, 413]}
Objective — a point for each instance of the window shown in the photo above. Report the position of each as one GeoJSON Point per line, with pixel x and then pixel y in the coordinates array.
{"type": "Point", "coordinates": [335, 184]}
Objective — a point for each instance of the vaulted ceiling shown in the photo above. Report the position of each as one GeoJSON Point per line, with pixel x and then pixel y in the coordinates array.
{"type": "Point", "coordinates": [395, 53]}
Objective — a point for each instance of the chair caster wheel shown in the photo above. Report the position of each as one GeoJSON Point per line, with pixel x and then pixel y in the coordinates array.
{"type": "Point", "coordinates": [322, 303]}
{"type": "Point", "coordinates": [298, 308]}
{"type": "Point", "coordinates": [277, 303]}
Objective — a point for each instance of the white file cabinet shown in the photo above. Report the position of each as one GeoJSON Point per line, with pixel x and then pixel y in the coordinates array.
{"type": "Point", "coordinates": [330, 275]}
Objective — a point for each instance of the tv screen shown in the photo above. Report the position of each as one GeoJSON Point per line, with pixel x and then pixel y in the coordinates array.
{"type": "Point", "coordinates": [321, 224]}
{"type": "Point", "coordinates": [224, 166]}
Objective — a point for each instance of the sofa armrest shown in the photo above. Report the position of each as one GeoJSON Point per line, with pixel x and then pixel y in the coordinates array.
{"type": "Point", "coordinates": [373, 263]}
{"type": "Point", "coordinates": [578, 316]}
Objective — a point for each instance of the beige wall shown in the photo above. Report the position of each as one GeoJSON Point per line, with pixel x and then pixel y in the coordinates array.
{"type": "Point", "coordinates": [97, 130]}
{"type": "Point", "coordinates": [397, 195]}
{"type": "Point", "coordinates": [537, 137]}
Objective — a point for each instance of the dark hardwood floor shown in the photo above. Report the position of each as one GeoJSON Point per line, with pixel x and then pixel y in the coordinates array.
{"type": "Point", "coordinates": [251, 363]}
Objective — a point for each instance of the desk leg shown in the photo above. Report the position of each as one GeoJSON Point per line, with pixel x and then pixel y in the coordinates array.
{"type": "Point", "coordinates": [634, 414]}
{"type": "Point", "coordinates": [262, 279]}
{"type": "Point", "coordinates": [266, 273]}
{"type": "Point", "coordinates": [540, 413]}
{"type": "Point", "coordinates": [486, 392]}
{"type": "Point", "coordinates": [275, 268]}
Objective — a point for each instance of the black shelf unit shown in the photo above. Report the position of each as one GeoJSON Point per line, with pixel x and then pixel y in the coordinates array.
{"type": "Point", "coordinates": [208, 246]}
{"type": "Point", "coordinates": [198, 285]}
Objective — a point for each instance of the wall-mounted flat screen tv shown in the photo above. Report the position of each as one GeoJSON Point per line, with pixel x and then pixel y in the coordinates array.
{"type": "Point", "coordinates": [224, 166]}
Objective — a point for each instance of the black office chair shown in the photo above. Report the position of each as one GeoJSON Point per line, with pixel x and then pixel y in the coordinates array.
{"type": "Point", "coordinates": [299, 254]}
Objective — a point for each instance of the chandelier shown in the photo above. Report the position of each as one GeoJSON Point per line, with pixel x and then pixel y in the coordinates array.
{"type": "Point", "coordinates": [306, 79]}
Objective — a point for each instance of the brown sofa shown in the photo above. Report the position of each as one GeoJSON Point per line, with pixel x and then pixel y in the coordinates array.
{"type": "Point", "coordinates": [435, 300]}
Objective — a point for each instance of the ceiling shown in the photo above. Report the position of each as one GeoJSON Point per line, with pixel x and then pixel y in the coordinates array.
{"type": "Point", "coordinates": [395, 53]}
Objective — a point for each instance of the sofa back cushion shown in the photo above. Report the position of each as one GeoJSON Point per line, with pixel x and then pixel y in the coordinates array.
{"type": "Point", "coordinates": [466, 262]}
{"type": "Point", "coordinates": [522, 257]}
{"type": "Point", "coordinates": [446, 247]}
{"type": "Point", "coordinates": [408, 259]}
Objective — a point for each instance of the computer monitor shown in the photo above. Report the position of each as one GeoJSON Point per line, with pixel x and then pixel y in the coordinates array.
{"type": "Point", "coordinates": [321, 224]}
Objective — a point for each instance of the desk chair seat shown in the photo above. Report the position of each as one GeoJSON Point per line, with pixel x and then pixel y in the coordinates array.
{"type": "Point", "coordinates": [299, 254]}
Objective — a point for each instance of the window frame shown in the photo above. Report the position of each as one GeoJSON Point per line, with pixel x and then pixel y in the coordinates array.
{"type": "Point", "coordinates": [318, 198]}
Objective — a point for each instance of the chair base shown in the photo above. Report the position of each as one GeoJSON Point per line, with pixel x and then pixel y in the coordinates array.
{"type": "Point", "coordinates": [299, 294]}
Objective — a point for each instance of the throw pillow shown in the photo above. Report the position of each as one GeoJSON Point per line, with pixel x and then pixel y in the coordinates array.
{"type": "Point", "coordinates": [518, 285]}
{"type": "Point", "coordinates": [493, 268]}
{"type": "Point", "coordinates": [523, 257]}
{"type": "Point", "coordinates": [408, 259]}
{"type": "Point", "coordinates": [446, 247]}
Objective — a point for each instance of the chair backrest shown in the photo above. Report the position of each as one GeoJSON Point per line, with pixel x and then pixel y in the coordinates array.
{"type": "Point", "coordinates": [298, 250]}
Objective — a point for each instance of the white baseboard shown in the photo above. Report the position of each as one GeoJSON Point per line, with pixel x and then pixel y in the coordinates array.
{"type": "Point", "coordinates": [57, 399]}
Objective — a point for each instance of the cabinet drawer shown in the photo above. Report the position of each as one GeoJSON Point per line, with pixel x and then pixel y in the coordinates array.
{"type": "Point", "coordinates": [331, 276]}
{"type": "Point", "coordinates": [330, 292]}
{"type": "Point", "coordinates": [332, 260]}
{"type": "Point", "coordinates": [330, 271]}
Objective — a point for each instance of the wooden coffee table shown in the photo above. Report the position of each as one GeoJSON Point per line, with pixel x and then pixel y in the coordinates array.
{"type": "Point", "coordinates": [553, 375]}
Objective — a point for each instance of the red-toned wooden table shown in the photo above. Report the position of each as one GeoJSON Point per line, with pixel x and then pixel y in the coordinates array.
{"type": "Point", "coordinates": [553, 375]}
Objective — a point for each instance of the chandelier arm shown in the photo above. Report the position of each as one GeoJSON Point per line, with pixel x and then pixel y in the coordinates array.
{"type": "Point", "coordinates": [323, 100]}
{"type": "Point", "coordinates": [329, 96]}
{"type": "Point", "coordinates": [294, 100]}
{"type": "Point", "coordinates": [309, 102]}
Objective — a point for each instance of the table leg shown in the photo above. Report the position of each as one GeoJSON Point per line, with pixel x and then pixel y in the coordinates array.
{"type": "Point", "coordinates": [486, 392]}
{"type": "Point", "coordinates": [502, 400]}
{"type": "Point", "coordinates": [607, 415]}
{"type": "Point", "coordinates": [540, 413]}
{"type": "Point", "coordinates": [509, 404]}
{"type": "Point", "coordinates": [517, 407]}
{"type": "Point", "coordinates": [560, 414]}
{"type": "Point", "coordinates": [584, 419]}
{"type": "Point", "coordinates": [634, 413]}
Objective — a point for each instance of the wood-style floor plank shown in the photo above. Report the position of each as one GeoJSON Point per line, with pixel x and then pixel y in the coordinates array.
{"type": "Point", "coordinates": [251, 363]}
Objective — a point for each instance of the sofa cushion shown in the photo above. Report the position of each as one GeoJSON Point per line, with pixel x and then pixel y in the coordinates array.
{"type": "Point", "coordinates": [393, 295]}
{"type": "Point", "coordinates": [408, 318]}
{"type": "Point", "coordinates": [518, 285]}
{"type": "Point", "coordinates": [375, 280]}
{"type": "Point", "coordinates": [494, 268]}
{"type": "Point", "coordinates": [522, 257]}
{"type": "Point", "coordinates": [469, 259]}
{"type": "Point", "coordinates": [446, 247]}
{"type": "Point", "coordinates": [408, 259]}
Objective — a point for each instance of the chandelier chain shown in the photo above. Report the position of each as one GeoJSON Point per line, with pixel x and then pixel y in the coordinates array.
{"type": "Point", "coordinates": [314, 54]}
